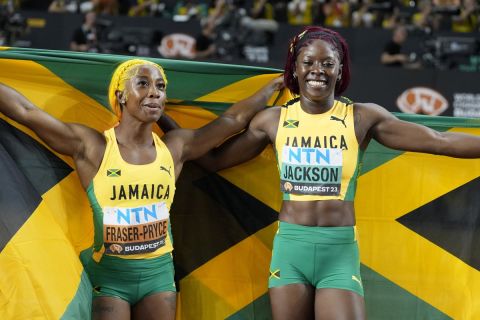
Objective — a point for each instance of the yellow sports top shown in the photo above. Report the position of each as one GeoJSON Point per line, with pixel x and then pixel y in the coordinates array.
{"type": "Point", "coordinates": [131, 203]}
{"type": "Point", "coordinates": [318, 154]}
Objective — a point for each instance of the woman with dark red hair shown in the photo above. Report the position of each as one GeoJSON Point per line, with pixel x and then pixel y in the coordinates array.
{"type": "Point", "coordinates": [319, 138]}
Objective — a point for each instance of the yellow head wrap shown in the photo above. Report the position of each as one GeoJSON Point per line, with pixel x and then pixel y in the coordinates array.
{"type": "Point", "coordinates": [123, 73]}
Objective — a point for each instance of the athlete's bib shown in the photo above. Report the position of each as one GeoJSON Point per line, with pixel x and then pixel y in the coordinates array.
{"type": "Point", "coordinates": [318, 154]}
{"type": "Point", "coordinates": [131, 203]}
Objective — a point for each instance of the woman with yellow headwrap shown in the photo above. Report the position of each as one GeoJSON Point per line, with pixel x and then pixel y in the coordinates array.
{"type": "Point", "coordinates": [129, 175]}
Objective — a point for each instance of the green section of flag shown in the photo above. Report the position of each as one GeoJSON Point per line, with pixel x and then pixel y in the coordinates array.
{"type": "Point", "coordinates": [440, 123]}
{"type": "Point", "coordinates": [383, 300]}
{"type": "Point", "coordinates": [81, 305]}
{"type": "Point", "coordinates": [377, 155]}
{"type": "Point", "coordinates": [215, 107]}
{"type": "Point", "coordinates": [386, 300]}
{"type": "Point", "coordinates": [91, 72]}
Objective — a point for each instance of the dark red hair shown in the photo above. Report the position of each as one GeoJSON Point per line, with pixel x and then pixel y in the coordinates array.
{"type": "Point", "coordinates": [304, 38]}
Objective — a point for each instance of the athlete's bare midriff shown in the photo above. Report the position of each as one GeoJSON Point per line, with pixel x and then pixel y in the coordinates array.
{"type": "Point", "coordinates": [324, 213]}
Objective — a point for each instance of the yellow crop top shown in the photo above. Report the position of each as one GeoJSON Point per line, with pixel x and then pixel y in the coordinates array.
{"type": "Point", "coordinates": [131, 203]}
{"type": "Point", "coordinates": [318, 154]}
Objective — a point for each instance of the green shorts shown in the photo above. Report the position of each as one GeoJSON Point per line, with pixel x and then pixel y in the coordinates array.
{"type": "Point", "coordinates": [131, 279]}
{"type": "Point", "coordinates": [324, 257]}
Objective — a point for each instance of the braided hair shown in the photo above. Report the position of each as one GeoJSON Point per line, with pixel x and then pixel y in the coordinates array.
{"type": "Point", "coordinates": [303, 39]}
{"type": "Point", "coordinates": [124, 72]}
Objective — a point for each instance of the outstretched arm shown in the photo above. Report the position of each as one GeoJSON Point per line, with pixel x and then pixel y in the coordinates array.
{"type": "Point", "coordinates": [61, 137]}
{"type": "Point", "coordinates": [196, 143]}
{"type": "Point", "coordinates": [242, 147]}
{"type": "Point", "coordinates": [402, 135]}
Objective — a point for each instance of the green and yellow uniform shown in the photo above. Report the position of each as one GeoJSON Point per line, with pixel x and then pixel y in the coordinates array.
{"type": "Point", "coordinates": [318, 154]}
{"type": "Point", "coordinates": [131, 210]}
{"type": "Point", "coordinates": [318, 159]}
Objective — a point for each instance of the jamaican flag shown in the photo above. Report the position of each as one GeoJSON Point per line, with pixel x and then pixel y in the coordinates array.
{"type": "Point", "coordinates": [418, 215]}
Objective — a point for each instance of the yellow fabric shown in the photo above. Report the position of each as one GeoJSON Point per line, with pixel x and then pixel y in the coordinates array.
{"type": "Point", "coordinates": [317, 153]}
{"type": "Point", "coordinates": [40, 261]}
{"type": "Point", "coordinates": [413, 262]}
{"type": "Point", "coordinates": [133, 203]}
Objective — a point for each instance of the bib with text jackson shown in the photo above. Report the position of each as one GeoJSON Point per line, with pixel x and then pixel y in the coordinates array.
{"type": "Point", "coordinates": [315, 171]}
{"type": "Point", "coordinates": [318, 154]}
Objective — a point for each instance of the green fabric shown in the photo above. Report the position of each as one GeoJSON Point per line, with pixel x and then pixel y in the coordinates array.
{"type": "Point", "coordinates": [386, 300]}
{"type": "Point", "coordinates": [97, 213]}
{"type": "Point", "coordinates": [324, 257]}
{"type": "Point", "coordinates": [81, 305]}
{"type": "Point", "coordinates": [90, 72]}
{"type": "Point", "coordinates": [131, 279]}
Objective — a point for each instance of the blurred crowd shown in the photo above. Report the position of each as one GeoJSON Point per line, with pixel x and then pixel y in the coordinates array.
{"type": "Point", "coordinates": [227, 25]}
{"type": "Point", "coordinates": [454, 15]}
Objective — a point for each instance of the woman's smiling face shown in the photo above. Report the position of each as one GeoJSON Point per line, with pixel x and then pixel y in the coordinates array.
{"type": "Point", "coordinates": [318, 68]}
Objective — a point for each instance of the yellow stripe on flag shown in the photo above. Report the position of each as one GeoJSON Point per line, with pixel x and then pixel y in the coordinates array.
{"type": "Point", "coordinates": [77, 224]}
{"type": "Point", "coordinates": [403, 256]}
{"type": "Point", "coordinates": [190, 117]}
{"type": "Point", "coordinates": [229, 276]}
{"type": "Point", "coordinates": [242, 89]}
{"type": "Point", "coordinates": [40, 270]}
{"type": "Point", "coordinates": [258, 177]}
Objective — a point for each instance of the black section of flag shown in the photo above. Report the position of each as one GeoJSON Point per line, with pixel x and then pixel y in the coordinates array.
{"type": "Point", "coordinates": [451, 222]}
{"type": "Point", "coordinates": [18, 198]}
{"type": "Point", "coordinates": [41, 167]}
{"type": "Point", "coordinates": [250, 213]}
{"type": "Point", "coordinates": [223, 216]}
{"type": "Point", "coordinates": [114, 172]}
{"type": "Point", "coordinates": [28, 170]}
